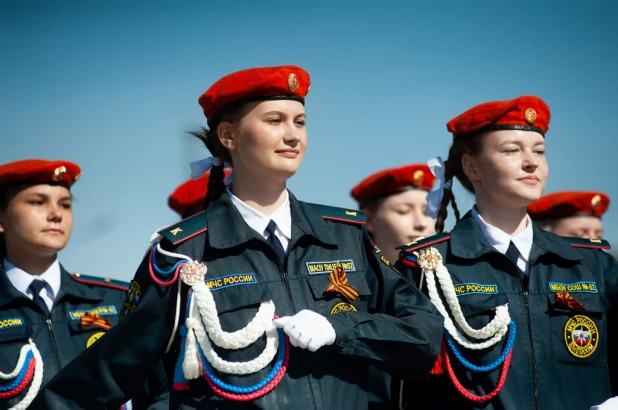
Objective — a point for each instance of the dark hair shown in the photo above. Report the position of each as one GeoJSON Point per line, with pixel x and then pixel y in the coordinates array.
{"type": "Point", "coordinates": [210, 138]}
{"type": "Point", "coordinates": [468, 144]}
{"type": "Point", "coordinates": [8, 192]}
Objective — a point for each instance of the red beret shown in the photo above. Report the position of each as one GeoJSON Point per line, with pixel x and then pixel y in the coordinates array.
{"type": "Point", "coordinates": [190, 194]}
{"type": "Point", "coordinates": [522, 113]}
{"type": "Point", "coordinates": [255, 84]}
{"type": "Point", "coordinates": [39, 170]}
{"type": "Point", "coordinates": [563, 204]}
{"type": "Point", "coordinates": [393, 180]}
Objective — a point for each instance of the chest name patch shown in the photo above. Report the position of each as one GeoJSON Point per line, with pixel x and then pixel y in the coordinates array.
{"type": "Point", "coordinates": [12, 322]}
{"type": "Point", "coordinates": [100, 311]}
{"type": "Point", "coordinates": [320, 268]}
{"type": "Point", "coordinates": [475, 288]}
{"type": "Point", "coordinates": [588, 287]}
{"type": "Point", "coordinates": [231, 280]}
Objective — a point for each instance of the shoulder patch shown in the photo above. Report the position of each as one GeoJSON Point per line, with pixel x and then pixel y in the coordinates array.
{"type": "Point", "coordinates": [587, 243]}
{"type": "Point", "coordinates": [339, 214]}
{"type": "Point", "coordinates": [97, 281]}
{"type": "Point", "coordinates": [185, 229]}
{"type": "Point", "coordinates": [422, 243]}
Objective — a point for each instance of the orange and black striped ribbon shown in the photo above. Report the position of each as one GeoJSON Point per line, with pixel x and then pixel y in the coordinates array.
{"type": "Point", "coordinates": [91, 319]}
{"type": "Point", "coordinates": [568, 301]}
{"type": "Point", "coordinates": [339, 283]}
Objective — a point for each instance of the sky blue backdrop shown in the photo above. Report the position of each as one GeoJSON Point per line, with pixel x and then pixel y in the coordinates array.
{"type": "Point", "coordinates": [114, 86]}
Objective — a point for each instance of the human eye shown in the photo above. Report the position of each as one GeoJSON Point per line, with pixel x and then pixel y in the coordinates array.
{"type": "Point", "coordinates": [274, 121]}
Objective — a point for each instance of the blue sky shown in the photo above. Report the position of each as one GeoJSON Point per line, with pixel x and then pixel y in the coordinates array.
{"type": "Point", "coordinates": [114, 86]}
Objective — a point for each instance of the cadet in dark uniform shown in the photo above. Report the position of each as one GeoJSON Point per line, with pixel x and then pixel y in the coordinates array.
{"type": "Point", "coordinates": [571, 213]}
{"type": "Point", "coordinates": [394, 201]}
{"type": "Point", "coordinates": [47, 316]}
{"type": "Point", "coordinates": [207, 292]}
{"type": "Point", "coordinates": [527, 312]}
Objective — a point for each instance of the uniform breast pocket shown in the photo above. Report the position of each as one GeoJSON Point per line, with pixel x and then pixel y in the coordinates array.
{"type": "Point", "coordinates": [11, 342]}
{"type": "Point", "coordinates": [343, 296]}
{"type": "Point", "coordinates": [579, 337]}
{"type": "Point", "coordinates": [237, 305]}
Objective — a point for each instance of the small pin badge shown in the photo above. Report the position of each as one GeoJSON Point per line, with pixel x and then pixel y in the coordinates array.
{"type": "Point", "coordinates": [530, 116]}
{"type": "Point", "coordinates": [193, 272]}
{"type": "Point", "coordinates": [59, 173]}
{"type": "Point", "coordinates": [293, 82]}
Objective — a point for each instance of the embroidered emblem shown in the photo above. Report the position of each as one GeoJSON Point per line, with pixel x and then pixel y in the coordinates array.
{"type": "Point", "coordinates": [131, 300]}
{"type": "Point", "coordinates": [193, 272]}
{"type": "Point", "coordinates": [12, 322]}
{"type": "Point", "coordinates": [581, 336]}
{"type": "Point", "coordinates": [588, 287]}
{"type": "Point", "coordinates": [175, 231]}
{"type": "Point", "coordinates": [429, 258]}
{"type": "Point", "coordinates": [568, 301]}
{"type": "Point", "coordinates": [475, 288]}
{"type": "Point", "coordinates": [339, 284]}
{"type": "Point", "coordinates": [94, 338]}
{"type": "Point", "coordinates": [320, 268]}
{"type": "Point", "coordinates": [231, 280]}
{"type": "Point", "coordinates": [99, 311]}
{"type": "Point", "coordinates": [342, 307]}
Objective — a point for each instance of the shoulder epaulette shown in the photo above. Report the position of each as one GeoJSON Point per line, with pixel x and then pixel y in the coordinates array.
{"type": "Point", "coordinates": [423, 243]}
{"type": "Point", "coordinates": [98, 281]}
{"type": "Point", "coordinates": [587, 243]}
{"type": "Point", "coordinates": [339, 214]}
{"type": "Point", "coordinates": [185, 229]}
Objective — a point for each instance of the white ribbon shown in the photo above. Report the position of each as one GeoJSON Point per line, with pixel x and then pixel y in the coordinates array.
{"type": "Point", "coordinates": [202, 166]}
{"type": "Point", "coordinates": [434, 198]}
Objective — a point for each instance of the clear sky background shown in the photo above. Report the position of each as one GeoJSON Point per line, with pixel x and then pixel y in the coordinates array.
{"type": "Point", "coordinates": [113, 86]}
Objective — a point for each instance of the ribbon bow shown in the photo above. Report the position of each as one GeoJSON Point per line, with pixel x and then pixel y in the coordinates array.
{"type": "Point", "coordinates": [202, 166]}
{"type": "Point", "coordinates": [339, 283]}
{"type": "Point", "coordinates": [93, 319]}
{"type": "Point", "coordinates": [434, 198]}
{"type": "Point", "coordinates": [568, 301]}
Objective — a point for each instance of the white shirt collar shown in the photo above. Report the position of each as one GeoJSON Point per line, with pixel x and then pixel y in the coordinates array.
{"type": "Point", "coordinates": [258, 221]}
{"type": "Point", "coordinates": [22, 279]}
{"type": "Point", "coordinates": [500, 240]}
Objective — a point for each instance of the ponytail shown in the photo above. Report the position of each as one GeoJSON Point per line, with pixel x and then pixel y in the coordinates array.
{"type": "Point", "coordinates": [215, 185]}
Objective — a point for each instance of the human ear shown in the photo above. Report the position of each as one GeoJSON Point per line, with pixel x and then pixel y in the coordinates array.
{"type": "Point", "coordinates": [470, 167]}
{"type": "Point", "coordinates": [226, 135]}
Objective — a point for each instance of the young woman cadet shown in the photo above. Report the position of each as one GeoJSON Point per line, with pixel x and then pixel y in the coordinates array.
{"type": "Point", "coordinates": [47, 315]}
{"type": "Point", "coordinates": [207, 292]}
{"type": "Point", "coordinates": [527, 312]}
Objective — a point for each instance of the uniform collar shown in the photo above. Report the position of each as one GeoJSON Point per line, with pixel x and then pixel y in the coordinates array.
{"type": "Point", "coordinates": [500, 240]}
{"type": "Point", "coordinates": [227, 228]}
{"type": "Point", "coordinates": [468, 242]}
{"type": "Point", "coordinates": [68, 287]}
{"type": "Point", "coordinates": [21, 279]}
{"type": "Point", "coordinates": [258, 221]}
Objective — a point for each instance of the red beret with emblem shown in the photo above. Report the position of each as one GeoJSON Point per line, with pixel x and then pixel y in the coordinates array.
{"type": "Point", "coordinates": [393, 180]}
{"type": "Point", "coordinates": [570, 203]}
{"type": "Point", "coordinates": [523, 113]}
{"type": "Point", "coordinates": [39, 170]}
{"type": "Point", "coordinates": [255, 84]}
{"type": "Point", "coordinates": [189, 196]}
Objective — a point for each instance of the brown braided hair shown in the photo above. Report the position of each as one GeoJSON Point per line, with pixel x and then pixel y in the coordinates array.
{"type": "Point", "coordinates": [210, 138]}
{"type": "Point", "coordinates": [470, 145]}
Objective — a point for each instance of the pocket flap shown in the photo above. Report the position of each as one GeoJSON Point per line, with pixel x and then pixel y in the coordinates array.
{"type": "Point", "coordinates": [236, 297]}
{"type": "Point", "coordinates": [14, 329]}
{"type": "Point", "coordinates": [355, 279]}
{"type": "Point", "coordinates": [592, 302]}
{"type": "Point", "coordinates": [473, 304]}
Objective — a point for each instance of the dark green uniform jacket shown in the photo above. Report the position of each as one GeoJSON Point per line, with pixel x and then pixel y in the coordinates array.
{"type": "Point", "coordinates": [61, 337]}
{"type": "Point", "coordinates": [391, 325]}
{"type": "Point", "coordinates": [560, 355]}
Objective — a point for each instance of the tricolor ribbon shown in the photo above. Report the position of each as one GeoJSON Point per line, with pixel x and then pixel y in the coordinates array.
{"type": "Point", "coordinates": [202, 166]}
{"type": "Point", "coordinates": [339, 283]}
{"type": "Point", "coordinates": [434, 198]}
{"type": "Point", "coordinates": [568, 301]}
{"type": "Point", "coordinates": [90, 319]}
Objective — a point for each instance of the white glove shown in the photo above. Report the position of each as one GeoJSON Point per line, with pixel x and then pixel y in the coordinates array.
{"type": "Point", "coordinates": [610, 404]}
{"type": "Point", "coordinates": [307, 330]}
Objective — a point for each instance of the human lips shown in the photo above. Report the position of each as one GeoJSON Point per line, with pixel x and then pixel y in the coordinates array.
{"type": "Point", "coordinates": [531, 180]}
{"type": "Point", "coordinates": [288, 152]}
{"type": "Point", "coordinates": [54, 231]}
